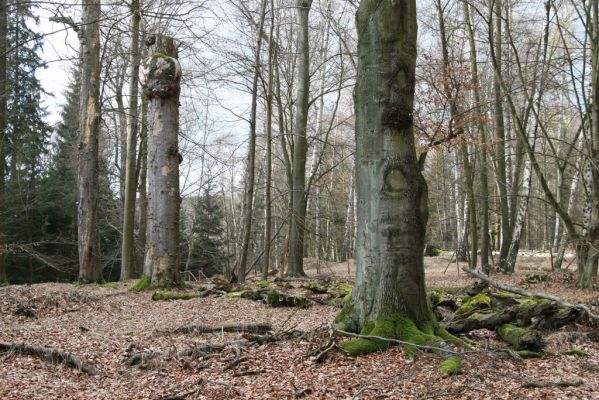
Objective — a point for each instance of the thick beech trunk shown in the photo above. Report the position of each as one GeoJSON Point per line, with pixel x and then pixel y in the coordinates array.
{"type": "Point", "coordinates": [128, 245]}
{"type": "Point", "coordinates": [89, 130]}
{"type": "Point", "coordinates": [297, 223]}
{"type": "Point", "coordinates": [391, 192]}
{"type": "Point", "coordinates": [161, 76]}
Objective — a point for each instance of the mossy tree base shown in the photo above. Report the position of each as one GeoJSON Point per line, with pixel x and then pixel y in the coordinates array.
{"type": "Point", "coordinates": [395, 327]}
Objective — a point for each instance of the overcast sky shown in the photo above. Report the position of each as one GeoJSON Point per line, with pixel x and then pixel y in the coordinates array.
{"type": "Point", "coordinates": [59, 47]}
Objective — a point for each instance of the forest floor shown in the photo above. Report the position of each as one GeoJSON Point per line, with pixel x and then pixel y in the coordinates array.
{"type": "Point", "coordinates": [101, 324]}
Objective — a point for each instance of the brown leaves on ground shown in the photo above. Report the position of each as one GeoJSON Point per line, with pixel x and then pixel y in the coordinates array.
{"type": "Point", "coordinates": [101, 324]}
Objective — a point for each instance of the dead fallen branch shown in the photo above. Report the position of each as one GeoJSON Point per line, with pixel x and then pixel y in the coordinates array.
{"type": "Point", "coordinates": [48, 354]}
{"type": "Point", "coordinates": [244, 328]}
{"type": "Point", "coordinates": [563, 383]}
{"type": "Point", "coordinates": [141, 358]}
{"type": "Point", "coordinates": [536, 295]}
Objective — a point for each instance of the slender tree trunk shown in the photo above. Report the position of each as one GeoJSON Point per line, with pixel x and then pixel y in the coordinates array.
{"type": "Point", "coordinates": [297, 224]}
{"type": "Point", "coordinates": [3, 93]}
{"type": "Point", "coordinates": [391, 191]}
{"type": "Point", "coordinates": [520, 215]}
{"type": "Point", "coordinates": [500, 137]}
{"type": "Point", "coordinates": [268, 183]}
{"type": "Point", "coordinates": [128, 245]}
{"type": "Point", "coordinates": [89, 130]}
{"type": "Point", "coordinates": [161, 86]}
{"type": "Point", "coordinates": [248, 201]}
{"type": "Point", "coordinates": [588, 256]}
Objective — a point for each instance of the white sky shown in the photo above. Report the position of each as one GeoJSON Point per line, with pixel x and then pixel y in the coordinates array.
{"type": "Point", "coordinates": [59, 47]}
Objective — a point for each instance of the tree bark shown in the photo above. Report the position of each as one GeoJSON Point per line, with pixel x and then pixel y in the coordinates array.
{"type": "Point", "coordinates": [160, 79]}
{"type": "Point", "coordinates": [268, 183]}
{"type": "Point", "coordinates": [248, 201]}
{"type": "Point", "coordinates": [484, 193]}
{"type": "Point", "coordinates": [500, 137]}
{"type": "Point", "coordinates": [3, 93]}
{"type": "Point", "coordinates": [391, 191]}
{"type": "Point", "coordinates": [89, 130]}
{"type": "Point", "coordinates": [297, 221]}
{"type": "Point", "coordinates": [142, 167]}
{"type": "Point", "coordinates": [128, 245]}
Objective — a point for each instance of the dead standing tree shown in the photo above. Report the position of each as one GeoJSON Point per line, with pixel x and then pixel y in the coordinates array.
{"type": "Point", "coordinates": [160, 79]}
{"type": "Point", "coordinates": [89, 130]}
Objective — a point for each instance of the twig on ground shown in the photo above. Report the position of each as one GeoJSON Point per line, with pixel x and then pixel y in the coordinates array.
{"type": "Point", "coordinates": [562, 383]}
{"type": "Point", "coordinates": [48, 354]}
{"type": "Point", "coordinates": [249, 328]}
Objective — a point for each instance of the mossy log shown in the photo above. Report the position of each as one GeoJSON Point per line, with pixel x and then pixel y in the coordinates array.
{"type": "Point", "coordinates": [521, 338]}
{"type": "Point", "coordinates": [167, 295]}
{"type": "Point", "coordinates": [278, 299]}
{"type": "Point", "coordinates": [461, 313]}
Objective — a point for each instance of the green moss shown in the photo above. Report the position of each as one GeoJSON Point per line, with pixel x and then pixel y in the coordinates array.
{"type": "Point", "coordinates": [511, 332]}
{"type": "Point", "coordinates": [478, 302]}
{"type": "Point", "coordinates": [394, 326]}
{"type": "Point", "coordinates": [530, 354]}
{"type": "Point", "coordinates": [157, 54]}
{"type": "Point", "coordinates": [451, 366]}
{"type": "Point", "coordinates": [346, 288]}
{"type": "Point", "coordinates": [530, 303]}
{"type": "Point", "coordinates": [142, 285]}
{"type": "Point", "coordinates": [276, 299]}
{"type": "Point", "coordinates": [342, 316]}
{"type": "Point", "coordinates": [575, 352]}
{"type": "Point", "coordinates": [317, 287]}
{"type": "Point", "coordinates": [4, 282]}
{"type": "Point", "coordinates": [265, 284]}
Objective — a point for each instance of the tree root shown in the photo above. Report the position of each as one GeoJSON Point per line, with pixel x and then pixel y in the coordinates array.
{"type": "Point", "coordinates": [48, 354]}
{"type": "Point", "coordinates": [397, 341]}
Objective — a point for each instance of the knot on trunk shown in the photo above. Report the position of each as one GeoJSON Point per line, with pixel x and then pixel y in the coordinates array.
{"type": "Point", "coordinates": [160, 75]}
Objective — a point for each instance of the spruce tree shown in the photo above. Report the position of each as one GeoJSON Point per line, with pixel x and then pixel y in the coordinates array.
{"type": "Point", "coordinates": [207, 234]}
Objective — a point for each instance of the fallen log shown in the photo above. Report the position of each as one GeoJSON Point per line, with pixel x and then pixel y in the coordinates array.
{"type": "Point", "coordinates": [48, 354]}
{"type": "Point", "coordinates": [521, 338]}
{"type": "Point", "coordinates": [536, 295]}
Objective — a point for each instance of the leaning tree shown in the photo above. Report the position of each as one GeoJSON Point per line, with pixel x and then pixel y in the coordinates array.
{"type": "Point", "coordinates": [389, 299]}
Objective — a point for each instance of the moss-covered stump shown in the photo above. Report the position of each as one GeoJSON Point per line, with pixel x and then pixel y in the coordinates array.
{"type": "Point", "coordinates": [521, 338]}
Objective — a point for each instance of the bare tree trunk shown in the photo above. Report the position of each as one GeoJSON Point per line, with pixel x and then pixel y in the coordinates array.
{"type": "Point", "coordinates": [297, 221]}
{"type": "Point", "coordinates": [248, 201]}
{"type": "Point", "coordinates": [161, 76]}
{"type": "Point", "coordinates": [268, 183]}
{"type": "Point", "coordinates": [500, 137]}
{"type": "Point", "coordinates": [391, 191]}
{"type": "Point", "coordinates": [518, 224]}
{"type": "Point", "coordinates": [89, 130]}
{"type": "Point", "coordinates": [128, 245]}
{"type": "Point", "coordinates": [143, 191]}
{"type": "Point", "coordinates": [3, 45]}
